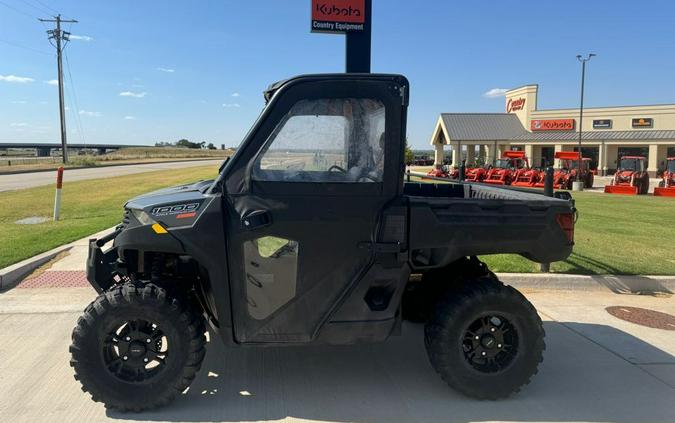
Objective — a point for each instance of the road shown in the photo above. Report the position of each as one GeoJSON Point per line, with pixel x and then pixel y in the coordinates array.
{"type": "Point", "coordinates": [596, 368]}
{"type": "Point", "coordinates": [34, 179]}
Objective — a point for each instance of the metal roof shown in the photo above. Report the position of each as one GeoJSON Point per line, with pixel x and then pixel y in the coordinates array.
{"type": "Point", "coordinates": [482, 126]}
{"type": "Point", "coordinates": [507, 127]}
{"type": "Point", "coordinates": [638, 134]}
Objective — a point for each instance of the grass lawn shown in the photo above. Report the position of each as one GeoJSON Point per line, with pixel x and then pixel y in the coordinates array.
{"type": "Point", "coordinates": [87, 207]}
{"type": "Point", "coordinates": [615, 234]}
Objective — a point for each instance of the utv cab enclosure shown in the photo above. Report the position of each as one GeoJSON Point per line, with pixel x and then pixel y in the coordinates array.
{"type": "Point", "coordinates": [310, 235]}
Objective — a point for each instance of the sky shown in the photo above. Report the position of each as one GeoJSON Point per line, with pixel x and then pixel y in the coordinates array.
{"type": "Point", "coordinates": [139, 72]}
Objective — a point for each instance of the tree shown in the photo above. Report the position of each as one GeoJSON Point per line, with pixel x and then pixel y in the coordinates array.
{"type": "Point", "coordinates": [188, 144]}
{"type": "Point", "coordinates": [211, 146]}
{"type": "Point", "coordinates": [409, 156]}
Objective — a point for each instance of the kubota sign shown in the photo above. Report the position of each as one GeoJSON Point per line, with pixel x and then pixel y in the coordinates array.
{"type": "Point", "coordinates": [338, 15]}
{"type": "Point", "coordinates": [552, 125]}
{"type": "Point", "coordinates": [515, 104]}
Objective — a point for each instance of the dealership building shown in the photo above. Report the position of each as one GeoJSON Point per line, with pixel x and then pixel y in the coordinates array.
{"type": "Point", "coordinates": [608, 133]}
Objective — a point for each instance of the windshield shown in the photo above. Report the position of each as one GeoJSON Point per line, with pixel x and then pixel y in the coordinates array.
{"type": "Point", "coordinates": [671, 166]}
{"type": "Point", "coordinates": [629, 164]}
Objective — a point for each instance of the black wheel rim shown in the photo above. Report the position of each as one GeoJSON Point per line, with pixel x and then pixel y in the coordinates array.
{"type": "Point", "coordinates": [490, 343]}
{"type": "Point", "coordinates": [135, 351]}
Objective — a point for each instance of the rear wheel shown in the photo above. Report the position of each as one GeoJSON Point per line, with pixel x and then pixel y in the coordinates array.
{"type": "Point", "coordinates": [135, 348]}
{"type": "Point", "coordinates": [485, 339]}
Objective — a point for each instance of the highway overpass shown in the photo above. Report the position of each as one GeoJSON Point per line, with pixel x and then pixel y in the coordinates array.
{"type": "Point", "coordinates": [45, 149]}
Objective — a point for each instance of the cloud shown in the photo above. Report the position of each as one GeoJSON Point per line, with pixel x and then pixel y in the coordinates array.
{"type": "Point", "coordinates": [236, 95]}
{"type": "Point", "coordinates": [167, 70]}
{"type": "Point", "coordinates": [495, 92]}
{"type": "Point", "coordinates": [129, 118]}
{"type": "Point", "coordinates": [43, 102]}
{"type": "Point", "coordinates": [90, 114]}
{"type": "Point", "coordinates": [14, 78]}
{"type": "Point", "coordinates": [138, 85]}
{"type": "Point", "coordinates": [81, 37]}
{"type": "Point", "coordinates": [18, 124]}
{"type": "Point", "coordinates": [52, 82]}
{"type": "Point", "coordinates": [231, 105]}
{"type": "Point", "coordinates": [132, 94]}
{"type": "Point", "coordinates": [19, 102]}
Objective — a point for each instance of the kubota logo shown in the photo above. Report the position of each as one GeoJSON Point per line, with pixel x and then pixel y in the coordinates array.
{"type": "Point", "coordinates": [513, 105]}
{"type": "Point", "coordinates": [333, 10]}
{"type": "Point", "coordinates": [346, 11]}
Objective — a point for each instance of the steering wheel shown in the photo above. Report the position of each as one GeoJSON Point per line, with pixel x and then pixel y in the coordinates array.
{"type": "Point", "coordinates": [336, 167]}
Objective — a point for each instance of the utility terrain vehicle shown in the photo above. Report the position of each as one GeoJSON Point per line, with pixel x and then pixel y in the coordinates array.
{"type": "Point", "coordinates": [309, 235]}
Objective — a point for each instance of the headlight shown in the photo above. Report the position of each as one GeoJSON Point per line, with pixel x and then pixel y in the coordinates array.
{"type": "Point", "coordinates": [142, 217]}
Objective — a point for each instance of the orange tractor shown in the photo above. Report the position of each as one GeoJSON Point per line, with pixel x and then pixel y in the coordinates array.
{"type": "Point", "coordinates": [505, 169]}
{"type": "Point", "coordinates": [568, 171]}
{"type": "Point", "coordinates": [666, 187]}
{"type": "Point", "coordinates": [631, 178]}
{"type": "Point", "coordinates": [475, 174]}
{"type": "Point", "coordinates": [444, 172]}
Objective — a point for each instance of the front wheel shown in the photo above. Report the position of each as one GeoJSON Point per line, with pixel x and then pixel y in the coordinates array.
{"type": "Point", "coordinates": [136, 348]}
{"type": "Point", "coordinates": [485, 339]}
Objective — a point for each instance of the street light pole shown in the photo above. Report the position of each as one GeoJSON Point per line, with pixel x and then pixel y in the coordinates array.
{"type": "Point", "coordinates": [581, 111]}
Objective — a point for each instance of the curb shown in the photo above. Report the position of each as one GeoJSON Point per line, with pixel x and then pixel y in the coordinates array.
{"type": "Point", "coordinates": [619, 284]}
{"type": "Point", "coordinates": [12, 275]}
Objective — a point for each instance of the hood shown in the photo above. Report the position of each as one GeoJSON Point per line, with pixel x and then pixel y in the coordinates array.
{"type": "Point", "coordinates": [169, 195]}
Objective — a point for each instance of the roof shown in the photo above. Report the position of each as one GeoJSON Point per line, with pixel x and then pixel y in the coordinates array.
{"type": "Point", "coordinates": [639, 134]}
{"type": "Point", "coordinates": [507, 126]}
{"type": "Point", "coordinates": [482, 126]}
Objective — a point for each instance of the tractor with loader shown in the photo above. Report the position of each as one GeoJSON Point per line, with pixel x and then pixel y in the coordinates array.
{"type": "Point", "coordinates": [631, 177]}
{"type": "Point", "coordinates": [273, 252]}
{"type": "Point", "coordinates": [666, 186]}
{"type": "Point", "coordinates": [505, 169]}
{"type": "Point", "coordinates": [568, 171]}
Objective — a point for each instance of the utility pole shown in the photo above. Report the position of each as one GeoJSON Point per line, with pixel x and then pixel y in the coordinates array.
{"type": "Point", "coordinates": [581, 111]}
{"type": "Point", "coordinates": [60, 38]}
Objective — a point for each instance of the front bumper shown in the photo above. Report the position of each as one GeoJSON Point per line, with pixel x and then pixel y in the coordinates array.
{"type": "Point", "coordinates": [102, 265]}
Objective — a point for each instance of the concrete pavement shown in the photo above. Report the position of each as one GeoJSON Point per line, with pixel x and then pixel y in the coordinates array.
{"type": "Point", "coordinates": [597, 368]}
{"type": "Point", "coordinates": [28, 180]}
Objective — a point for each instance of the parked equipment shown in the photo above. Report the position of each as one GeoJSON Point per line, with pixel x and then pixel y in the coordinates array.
{"type": "Point", "coordinates": [527, 177]}
{"type": "Point", "coordinates": [504, 171]}
{"type": "Point", "coordinates": [631, 178]}
{"type": "Point", "coordinates": [568, 171]}
{"type": "Point", "coordinates": [475, 174]}
{"type": "Point", "coordinates": [666, 187]}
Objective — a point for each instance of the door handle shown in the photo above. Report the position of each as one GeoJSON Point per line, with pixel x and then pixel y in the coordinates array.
{"type": "Point", "coordinates": [256, 219]}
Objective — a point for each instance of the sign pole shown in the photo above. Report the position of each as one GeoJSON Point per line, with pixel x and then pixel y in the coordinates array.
{"type": "Point", "coordinates": [351, 18]}
{"type": "Point", "coordinates": [357, 45]}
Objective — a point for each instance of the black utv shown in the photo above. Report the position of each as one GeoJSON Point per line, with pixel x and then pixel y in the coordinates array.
{"type": "Point", "coordinates": [310, 234]}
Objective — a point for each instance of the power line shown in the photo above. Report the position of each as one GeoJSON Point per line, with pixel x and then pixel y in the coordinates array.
{"type": "Point", "coordinates": [13, 44]}
{"type": "Point", "coordinates": [47, 6]}
{"type": "Point", "coordinates": [41, 10]}
{"type": "Point", "coordinates": [16, 10]}
{"type": "Point", "coordinates": [60, 38]}
{"type": "Point", "coordinates": [78, 119]}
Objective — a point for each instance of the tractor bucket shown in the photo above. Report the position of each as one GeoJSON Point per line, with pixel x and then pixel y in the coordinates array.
{"type": "Point", "coordinates": [522, 184]}
{"type": "Point", "coordinates": [494, 182]}
{"type": "Point", "coordinates": [665, 192]}
{"type": "Point", "coordinates": [621, 189]}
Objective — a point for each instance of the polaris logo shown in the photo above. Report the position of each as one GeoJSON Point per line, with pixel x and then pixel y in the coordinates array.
{"type": "Point", "coordinates": [172, 209]}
